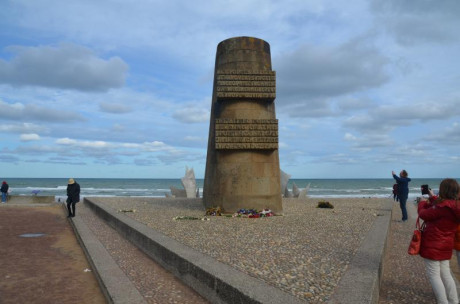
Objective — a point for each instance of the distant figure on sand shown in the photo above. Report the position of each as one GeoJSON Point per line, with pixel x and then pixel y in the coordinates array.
{"type": "Point", "coordinates": [440, 215]}
{"type": "Point", "coordinates": [73, 196]}
{"type": "Point", "coordinates": [4, 191]}
{"type": "Point", "coordinates": [403, 191]}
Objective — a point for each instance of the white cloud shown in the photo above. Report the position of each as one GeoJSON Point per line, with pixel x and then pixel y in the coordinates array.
{"type": "Point", "coordinates": [66, 141]}
{"type": "Point", "coordinates": [27, 112]}
{"type": "Point", "coordinates": [350, 137]}
{"type": "Point", "coordinates": [155, 146]}
{"type": "Point", "coordinates": [29, 137]}
{"type": "Point", "coordinates": [67, 66]}
{"type": "Point", "coordinates": [191, 114]}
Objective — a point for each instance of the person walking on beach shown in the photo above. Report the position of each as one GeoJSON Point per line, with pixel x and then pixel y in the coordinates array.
{"type": "Point", "coordinates": [440, 215]}
{"type": "Point", "coordinates": [403, 191]}
{"type": "Point", "coordinates": [73, 196]}
{"type": "Point", "coordinates": [4, 191]}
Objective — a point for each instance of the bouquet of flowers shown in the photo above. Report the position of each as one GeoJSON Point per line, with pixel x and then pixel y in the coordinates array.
{"type": "Point", "coordinates": [252, 213]}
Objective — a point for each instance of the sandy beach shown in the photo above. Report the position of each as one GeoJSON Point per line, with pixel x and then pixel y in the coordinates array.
{"type": "Point", "coordinates": [305, 252]}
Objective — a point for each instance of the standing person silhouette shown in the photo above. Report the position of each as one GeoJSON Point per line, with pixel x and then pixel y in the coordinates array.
{"type": "Point", "coordinates": [4, 191]}
{"type": "Point", "coordinates": [73, 196]}
{"type": "Point", "coordinates": [403, 191]}
{"type": "Point", "coordinates": [440, 215]}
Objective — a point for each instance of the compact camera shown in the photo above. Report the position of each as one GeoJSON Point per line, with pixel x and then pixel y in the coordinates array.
{"type": "Point", "coordinates": [425, 189]}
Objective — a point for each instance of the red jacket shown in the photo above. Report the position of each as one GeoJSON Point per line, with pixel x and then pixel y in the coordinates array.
{"type": "Point", "coordinates": [457, 238]}
{"type": "Point", "coordinates": [441, 223]}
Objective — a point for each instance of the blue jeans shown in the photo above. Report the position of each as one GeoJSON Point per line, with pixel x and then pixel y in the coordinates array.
{"type": "Point", "coordinates": [3, 196]}
{"type": "Point", "coordinates": [402, 204]}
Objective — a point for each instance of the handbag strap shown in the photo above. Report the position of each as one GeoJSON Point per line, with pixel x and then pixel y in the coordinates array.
{"type": "Point", "coordinates": [418, 226]}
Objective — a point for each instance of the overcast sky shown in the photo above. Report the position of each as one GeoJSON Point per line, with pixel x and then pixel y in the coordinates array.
{"type": "Point", "coordinates": [123, 88]}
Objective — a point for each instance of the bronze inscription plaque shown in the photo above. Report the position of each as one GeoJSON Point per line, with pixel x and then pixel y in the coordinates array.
{"type": "Point", "coordinates": [245, 134]}
{"type": "Point", "coordinates": [236, 84]}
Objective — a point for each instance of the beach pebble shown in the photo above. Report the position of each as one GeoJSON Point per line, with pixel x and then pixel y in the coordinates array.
{"type": "Point", "coordinates": [305, 252]}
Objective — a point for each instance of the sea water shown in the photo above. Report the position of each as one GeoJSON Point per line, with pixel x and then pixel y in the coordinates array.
{"type": "Point", "coordinates": [332, 188]}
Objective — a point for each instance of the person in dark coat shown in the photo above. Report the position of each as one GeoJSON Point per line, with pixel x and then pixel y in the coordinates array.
{"type": "Point", "coordinates": [4, 191]}
{"type": "Point", "coordinates": [73, 196]}
{"type": "Point", "coordinates": [403, 191]}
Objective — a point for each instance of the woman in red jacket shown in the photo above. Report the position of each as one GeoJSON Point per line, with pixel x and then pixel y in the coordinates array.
{"type": "Point", "coordinates": [440, 217]}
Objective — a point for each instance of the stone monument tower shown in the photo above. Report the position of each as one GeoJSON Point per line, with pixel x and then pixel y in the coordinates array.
{"type": "Point", "coordinates": [242, 165]}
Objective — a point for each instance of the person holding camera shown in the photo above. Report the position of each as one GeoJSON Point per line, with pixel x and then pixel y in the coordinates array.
{"type": "Point", "coordinates": [440, 215]}
{"type": "Point", "coordinates": [403, 191]}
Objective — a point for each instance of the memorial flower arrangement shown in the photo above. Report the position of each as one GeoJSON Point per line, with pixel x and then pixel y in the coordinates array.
{"type": "Point", "coordinates": [253, 213]}
{"type": "Point", "coordinates": [193, 218]}
{"type": "Point", "coordinates": [127, 210]}
{"type": "Point", "coordinates": [215, 211]}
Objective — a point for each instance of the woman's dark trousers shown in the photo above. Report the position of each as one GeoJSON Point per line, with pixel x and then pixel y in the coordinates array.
{"type": "Point", "coordinates": [71, 209]}
{"type": "Point", "coordinates": [402, 204]}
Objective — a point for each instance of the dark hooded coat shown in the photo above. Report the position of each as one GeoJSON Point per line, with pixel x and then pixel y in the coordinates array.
{"type": "Point", "coordinates": [73, 193]}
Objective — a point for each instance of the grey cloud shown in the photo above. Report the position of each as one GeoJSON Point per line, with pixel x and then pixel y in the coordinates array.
{"type": "Point", "coordinates": [19, 111]}
{"type": "Point", "coordinates": [181, 156]}
{"type": "Point", "coordinates": [66, 66]}
{"type": "Point", "coordinates": [22, 128]}
{"type": "Point", "coordinates": [115, 108]}
{"type": "Point", "coordinates": [145, 162]}
{"type": "Point", "coordinates": [61, 160]}
{"type": "Point", "coordinates": [449, 136]}
{"type": "Point", "coordinates": [368, 123]}
{"type": "Point", "coordinates": [386, 118]}
{"type": "Point", "coordinates": [4, 158]}
{"type": "Point", "coordinates": [351, 104]}
{"type": "Point", "coordinates": [38, 149]}
{"type": "Point", "coordinates": [313, 71]}
{"type": "Point", "coordinates": [414, 22]}
{"type": "Point", "coordinates": [370, 141]}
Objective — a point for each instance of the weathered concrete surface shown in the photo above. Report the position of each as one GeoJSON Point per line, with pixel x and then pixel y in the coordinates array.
{"type": "Point", "coordinates": [244, 172]}
{"type": "Point", "coordinates": [217, 282]}
{"type": "Point", "coordinates": [44, 269]}
{"type": "Point", "coordinates": [361, 282]}
{"type": "Point", "coordinates": [117, 287]}
{"type": "Point", "coordinates": [32, 199]}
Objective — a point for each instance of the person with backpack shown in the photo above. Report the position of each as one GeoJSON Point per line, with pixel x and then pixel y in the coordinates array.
{"type": "Point", "coordinates": [403, 191]}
